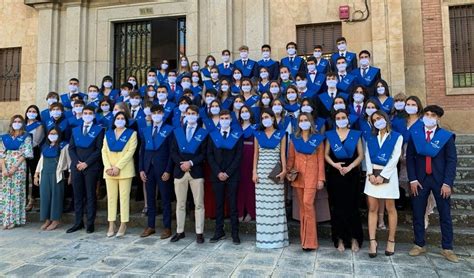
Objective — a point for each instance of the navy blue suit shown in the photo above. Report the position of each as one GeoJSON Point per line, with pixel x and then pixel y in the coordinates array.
{"type": "Point", "coordinates": [155, 163]}
{"type": "Point", "coordinates": [84, 182]}
{"type": "Point", "coordinates": [443, 172]}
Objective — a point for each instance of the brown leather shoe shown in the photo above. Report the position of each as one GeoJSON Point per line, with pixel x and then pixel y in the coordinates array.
{"type": "Point", "coordinates": [165, 234]}
{"type": "Point", "coordinates": [450, 256]}
{"type": "Point", "coordinates": [417, 250]}
{"type": "Point", "coordinates": [199, 238]}
{"type": "Point", "coordinates": [147, 232]}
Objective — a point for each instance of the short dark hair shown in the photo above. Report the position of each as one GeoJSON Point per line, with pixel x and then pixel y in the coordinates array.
{"type": "Point", "coordinates": [341, 58]}
{"type": "Point", "coordinates": [435, 109]}
{"type": "Point", "coordinates": [156, 108]}
{"type": "Point", "coordinates": [224, 112]}
{"type": "Point", "coordinates": [193, 107]}
{"type": "Point", "coordinates": [74, 79]}
{"type": "Point", "coordinates": [318, 46]}
{"type": "Point", "coordinates": [331, 74]}
{"type": "Point", "coordinates": [135, 94]}
{"type": "Point", "coordinates": [312, 59]}
{"type": "Point", "coordinates": [301, 74]}
{"type": "Point", "coordinates": [364, 52]}
{"type": "Point", "coordinates": [79, 101]}
{"type": "Point", "coordinates": [93, 86]}
{"type": "Point", "coordinates": [341, 39]}
{"type": "Point", "coordinates": [126, 85]}
{"type": "Point", "coordinates": [291, 43]}
{"type": "Point", "coordinates": [90, 108]}
{"type": "Point", "coordinates": [162, 87]}
{"type": "Point", "coordinates": [266, 46]}
{"type": "Point", "coordinates": [225, 51]}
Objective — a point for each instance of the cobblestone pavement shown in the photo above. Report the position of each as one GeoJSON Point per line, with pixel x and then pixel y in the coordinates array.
{"type": "Point", "coordinates": [27, 251]}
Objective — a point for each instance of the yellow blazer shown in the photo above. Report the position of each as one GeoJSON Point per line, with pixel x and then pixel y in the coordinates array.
{"type": "Point", "coordinates": [122, 160]}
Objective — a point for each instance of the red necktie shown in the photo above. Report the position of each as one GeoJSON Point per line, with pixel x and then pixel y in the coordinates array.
{"type": "Point", "coordinates": [429, 171]}
{"type": "Point", "coordinates": [172, 87]}
{"type": "Point", "coordinates": [358, 109]}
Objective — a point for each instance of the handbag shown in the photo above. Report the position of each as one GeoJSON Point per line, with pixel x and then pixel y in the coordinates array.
{"type": "Point", "coordinates": [376, 173]}
{"type": "Point", "coordinates": [275, 172]}
{"type": "Point", "coordinates": [292, 175]}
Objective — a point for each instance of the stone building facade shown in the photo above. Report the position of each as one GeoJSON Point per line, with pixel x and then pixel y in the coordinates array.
{"type": "Point", "coordinates": [409, 40]}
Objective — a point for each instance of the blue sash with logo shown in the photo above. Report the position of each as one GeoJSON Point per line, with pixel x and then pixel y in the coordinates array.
{"type": "Point", "coordinates": [292, 107]}
{"type": "Point", "coordinates": [326, 100]}
{"type": "Point", "coordinates": [206, 72]}
{"type": "Point", "coordinates": [310, 93]}
{"type": "Point", "coordinates": [440, 138]}
{"type": "Point", "coordinates": [227, 72]}
{"type": "Point", "coordinates": [154, 143]}
{"type": "Point", "coordinates": [249, 131]}
{"type": "Point", "coordinates": [266, 64]}
{"type": "Point", "coordinates": [343, 150]}
{"type": "Point", "coordinates": [381, 155]}
{"type": "Point", "coordinates": [386, 106]}
{"type": "Point", "coordinates": [227, 143]}
{"type": "Point", "coordinates": [252, 100]}
{"type": "Point", "coordinates": [52, 151]}
{"type": "Point", "coordinates": [227, 103]}
{"type": "Point", "coordinates": [118, 145]}
{"type": "Point", "coordinates": [283, 124]}
{"type": "Point", "coordinates": [322, 66]}
{"type": "Point", "coordinates": [62, 125]}
{"type": "Point", "coordinates": [293, 66]}
{"type": "Point", "coordinates": [346, 83]}
{"type": "Point", "coordinates": [308, 147]}
{"type": "Point", "coordinates": [319, 123]}
{"type": "Point", "coordinates": [209, 124]}
{"type": "Point", "coordinates": [66, 101]}
{"type": "Point", "coordinates": [269, 143]}
{"type": "Point", "coordinates": [248, 70]}
{"type": "Point", "coordinates": [85, 141]}
{"type": "Point", "coordinates": [365, 127]}
{"type": "Point", "coordinates": [13, 144]}
{"type": "Point", "coordinates": [32, 126]}
{"type": "Point", "coordinates": [263, 88]}
{"type": "Point", "coordinates": [73, 121]}
{"type": "Point", "coordinates": [105, 120]}
{"type": "Point", "coordinates": [319, 80]}
{"type": "Point", "coordinates": [191, 146]}
{"type": "Point", "coordinates": [399, 124]}
{"type": "Point", "coordinates": [369, 77]}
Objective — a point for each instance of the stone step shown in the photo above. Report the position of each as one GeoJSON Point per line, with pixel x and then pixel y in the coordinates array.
{"type": "Point", "coordinates": [464, 187]}
{"type": "Point", "coordinates": [460, 218]}
{"type": "Point", "coordinates": [464, 173]}
{"type": "Point", "coordinates": [463, 149]}
{"type": "Point", "coordinates": [462, 202]}
{"type": "Point", "coordinates": [464, 138]}
{"type": "Point", "coordinates": [466, 160]}
{"type": "Point", "coordinates": [462, 236]}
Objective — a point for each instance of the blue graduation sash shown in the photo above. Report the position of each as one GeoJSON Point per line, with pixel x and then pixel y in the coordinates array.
{"type": "Point", "coordinates": [266, 64]}
{"type": "Point", "coordinates": [283, 124]}
{"type": "Point", "coordinates": [168, 109]}
{"type": "Point", "coordinates": [440, 138]}
{"type": "Point", "coordinates": [45, 115]}
{"type": "Point", "coordinates": [52, 151]}
{"type": "Point", "coordinates": [319, 80]}
{"type": "Point", "coordinates": [365, 127]}
{"type": "Point", "coordinates": [211, 85]}
{"type": "Point", "coordinates": [269, 143]}
{"type": "Point", "coordinates": [326, 100]}
{"type": "Point", "coordinates": [191, 146]}
{"type": "Point", "coordinates": [235, 89]}
{"type": "Point", "coordinates": [248, 70]}
{"type": "Point", "coordinates": [349, 57]}
{"type": "Point", "coordinates": [227, 103]}
{"type": "Point", "coordinates": [319, 123]}
{"type": "Point", "coordinates": [369, 77]}
{"type": "Point", "coordinates": [249, 131]}
{"type": "Point", "coordinates": [252, 100]}
{"type": "Point", "coordinates": [62, 125]}
{"type": "Point", "coordinates": [386, 106]}
{"type": "Point", "coordinates": [105, 121]}
{"type": "Point", "coordinates": [346, 83]}
{"type": "Point", "coordinates": [13, 144]}
{"type": "Point", "coordinates": [310, 93]}
{"type": "Point", "coordinates": [162, 78]}
{"type": "Point", "coordinates": [227, 143]}
{"type": "Point", "coordinates": [346, 150]}
{"type": "Point", "coordinates": [209, 124]}
{"type": "Point", "coordinates": [292, 107]}
{"type": "Point", "coordinates": [153, 144]}
{"type": "Point", "coordinates": [353, 119]}
{"type": "Point", "coordinates": [263, 88]}
{"type": "Point", "coordinates": [118, 145]}
{"type": "Point", "coordinates": [308, 147]}
{"type": "Point", "coordinates": [85, 141]}
{"type": "Point", "coordinates": [32, 126]}
{"type": "Point", "coordinates": [206, 72]}
{"type": "Point", "coordinates": [227, 72]}
{"type": "Point", "coordinates": [322, 66]}
{"type": "Point", "coordinates": [66, 101]}
{"type": "Point", "coordinates": [196, 90]}
{"type": "Point", "coordinates": [399, 124]}
{"type": "Point", "coordinates": [381, 155]}
{"type": "Point", "coordinates": [73, 121]}
{"type": "Point", "coordinates": [295, 66]}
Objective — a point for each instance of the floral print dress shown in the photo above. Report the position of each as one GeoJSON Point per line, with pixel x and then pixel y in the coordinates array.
{"type": "Point", "coordinates": [13, 189]}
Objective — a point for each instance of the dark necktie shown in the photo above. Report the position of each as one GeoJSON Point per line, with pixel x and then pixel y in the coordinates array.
{"type": "Point", "coordinates": [86, 129]}
{"type": "Point", "coordinates": [155, 131]}
{"type": "Point", "coordinates": [133, 113]}
{"type": "Point", "coordinates": [225, 134]}
{"type": "Point", "coordinates": [244, 63]}
{"type": "Point", "coordinates": [358, 109]}
{"type": "Point", "coordinates": [172, 87]}
{"type": "Point", "coordinates": [291, 60]}
{"type": "Point", "coordinates": [429, 170]}
{"type": "Point", "coordinates": [365, 72]}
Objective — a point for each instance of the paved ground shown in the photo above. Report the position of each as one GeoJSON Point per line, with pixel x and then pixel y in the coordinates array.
{"type": "Point", "coordinates": [26, 252]}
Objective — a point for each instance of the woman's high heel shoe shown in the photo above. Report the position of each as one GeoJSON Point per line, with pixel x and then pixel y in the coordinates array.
{"type": "Point", "coordinates": [389, 253]}
{"type": "Point", "coordinates": [111, 231]}
{"type": "Point", "coordinates": [373, 255]}
{"type": "Point", "coordinates": [121, 231]}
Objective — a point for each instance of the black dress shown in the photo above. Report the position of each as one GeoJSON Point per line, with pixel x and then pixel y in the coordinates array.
{"type": "Point", "coordinates": [344, 202]}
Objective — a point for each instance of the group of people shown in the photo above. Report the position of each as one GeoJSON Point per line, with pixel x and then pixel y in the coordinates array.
{"type": "Point", "coordinates": [245, 137]}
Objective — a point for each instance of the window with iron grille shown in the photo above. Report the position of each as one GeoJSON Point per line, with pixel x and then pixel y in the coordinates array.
{"type": "Point", "coordinates": [461, 22]}
{"type": "Point", "coordinates": [10, 72]}
{"type": "Point", "coordinates": [324, 34]}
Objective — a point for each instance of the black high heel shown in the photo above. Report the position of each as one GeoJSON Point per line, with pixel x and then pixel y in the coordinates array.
{"type": "Point", "coordinates": [373, 255]}
{"type": "Point", "coordinates": [388, 253]}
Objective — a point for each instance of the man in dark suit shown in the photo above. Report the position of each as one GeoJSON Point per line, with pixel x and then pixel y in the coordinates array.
{"type": "Point", "coordinates": [351, 57]}
{"type": "Point", "coordinates": [155, 168]}
{"type": "Point", "coordinates": [293, 62]}
{"type": "Point", "coordinates": [431, 166]}
{"type": "Point", "coordinates": [366, 75]}
{"type": "Point", "coordinates": [224, 152]}
{"type": "Point", "coordinates": [85, 151]}
{"type": "Point", "coordinates": [188, 151]}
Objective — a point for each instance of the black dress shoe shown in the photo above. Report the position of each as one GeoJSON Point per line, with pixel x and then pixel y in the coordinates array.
{"type": "Point", "coordinates": [90, 229]}
{"type": "Point", "coordinates": [200, 238]}
{"type": "Point", "coordinates": [75, 228]}
{"type": "Point", "coordinates": [236, 240]}
{"type": "Point", "coordinates": [216, 238]}
{"type": "Point", "coordinates": [177, 237]}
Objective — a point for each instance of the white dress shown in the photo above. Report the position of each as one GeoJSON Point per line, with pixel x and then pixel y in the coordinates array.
{"type": "Point", "coordinates": [388, 190]}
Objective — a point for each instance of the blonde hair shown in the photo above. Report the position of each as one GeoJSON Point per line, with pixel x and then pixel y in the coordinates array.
{"type": "Point", "coordinates": [400, 97]}
{"type": "Point", "coordinates": [312, 129]}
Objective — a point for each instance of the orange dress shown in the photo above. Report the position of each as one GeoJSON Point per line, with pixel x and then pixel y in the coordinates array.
{"type": "Point", "coordinates": [310, 170]}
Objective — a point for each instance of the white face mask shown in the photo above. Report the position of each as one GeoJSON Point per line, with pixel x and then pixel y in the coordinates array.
{"type": "Point", "coordinates": [224, 123]}
{"type": "Point", "coordinates": [185, 84]}
{"type": "Point", "coordinates": [53, 137]}
{"type": "Point", "coordinates": [195, 68]}
{"type": "Point", "coordinates": [268, 122]}
{"type": "Point", "coordinates": [157, 118]}
{"type": "Point", "coordinates": [291, 96]}
{"type": "Point", "coordinates": [238, 105]}
{"type": "Point", "coordinates": [224, 87]}
{"type": "Point", "coordinates": [211, 63]}
{"type": "Point", "coordinates": [264, 75]}
{"type": "Point", "coordinates": [195, 79]}
{"type": "Point", "coordinates": [245, 116]}
{"type": "Point", "coordinates": [120, 123]}
{"type": "Point", "coordinates": [429, 122]}
{"type": "Point", "coordinates": [244, 55]}
{"type": "Point", "coordinates": [380, 90]}
{"type": "Point", "coordinates": [399, 105]}
{"type": "Point", "coordinates": [246, 88]}
{"type": "Point", "coordinates": [93, 95]}
{"type": "Point", "coordinates": [214, 75]}
{"type": "Point", "coordinates": [162, 97]}
{"type": "Point", "coordinates": [411, 110]}
{"type": "Point", "coordinates": [358, 97]}
{"type": "Point", "coordinates": [215, 110]}
{"type": "Point", "coordinates": [133, 82]}
{"type": "Point", "coordinates": [124, 93]}
{"type": "Point", "coordinates": [51, 101]}
{"type": "Point", "coordinates": [338, 106]}
{"type": "Point", "coordinates": [105, 108]}
{"type": "Point", "coordinates": [151, 79]}
{"type": "Point", "coordinates": [17, 126]}
{"type": "Point", "coordinates": [317, 54]}
{"type": "Point", "coordinates": [331, 83]}
{"type": "Point", "coordinates": [226, 58]}
{"type": "Point", "coordinates": [184, 63]}
{"type": "Point", "coordinates": [72, 88]}
{"type": "Point", "coordinates": [342, 47]}
{"type": "Point", "coordinates": [135, 101]}
{"type": "Point", "coordinates": [370, 111]}
{"type": "Point", "coordinates": [56, 113]}
{"type": "Point", "coordinates": [342, 123]}
{"type": "Point", "coordinates": [115, 112]}
{"type": "Point", "coordinates": [277, 109]}
{"type": "Point", "coordinates": [341, 67]}
{"type": "Point", "coordinates": [192, 119]}
{"type": "Point", "coordinates": [164, 66]}
{"type": "Point", "coordinates": [266, 54]}
{"type": "Point", "coordinates": [306, 109]}
{"type": "Point", "coordinates": [291, 51]}
{"type": "Point", "coordinates": [183, 107]}
{"type": "Point", "coordinates": [31, 116]}
{"type": "Point", "coordinates": [311, 67]}
{"type": "Point", "coordinates": [301, 84]}
{"type": "Point", "coordinates": [147, 111]}
{"type": "Point", "coordinates": [108, 84]}
{"type": "Point", "coordinates": [364, 62]}
{"type": "Point", "coordinates": [380, 124]}
{"type": "Point", "coordinates": [209, 100]}
{"type": "Point", "coordinates": [237, 76]}
{"type": "Point", "coordinates": [305, 125]}
{"type": "Point", "coordinates": [87, 118]}
{"type": "Point", "coordinates": [285, 76]}
{"type": "Point", "coordinates": [274, 90]}
{"type": "Point", "coordinates": [151, 93]}
{"type": "Point", "coordinates": [172, 79]}
{"type": "Point", "coordinates": [77, 109]}
{"type": "Point", "coordinates": [265, 101]}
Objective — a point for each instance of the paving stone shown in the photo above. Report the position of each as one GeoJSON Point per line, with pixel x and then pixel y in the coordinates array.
{"type": "Point", "coordinates": [95, 273]}
{"type": "Point", "coordinates": [144, 266]}
{"type": "Point", "coordinates": [229, 258]}
{"type": "Point", "coordinates": [25, 270]}
{"type": "Point", "coordinates": [213, 270]}
{"type": "Point", "coordinates": [178, 268]}
{"type": "Point", "coordinates": [339, 266]}
{"type": "Point", "coordinates": [414, 271]}
{"type": "Point", "coordinates": [131, 275]}
{"type": "Point", "coordinates": [405, 259]}
{"type": "Point", "coordinates": [188, 255]}
{"type": "Point", "coordinates": [82, 260]}
{"type": "Point", "coordinates": [374, 269]}
{"type": "Point", "coordinates": [283, 273]}
{"type": "Point", "coordinates": [330, 275]}
{"type": "Point", "coordinates": [333, 254]}
{"type": "Point", "coordinates": [251, 272]}
{"type": "Point", "coordinates": [59, 271]}
{"type": "Point", "coordinates": [304, 264]}
{"type": "Point", "coordinates": [455, 274]}
{"type": "Point", "coordinates": [363, 256]}
{"type": "Point", "coordinates": [113, 263]}
{"type": "Point", "coordinates": [260, 260]}
{"type": "Point", "coordinates": [442, 263]}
